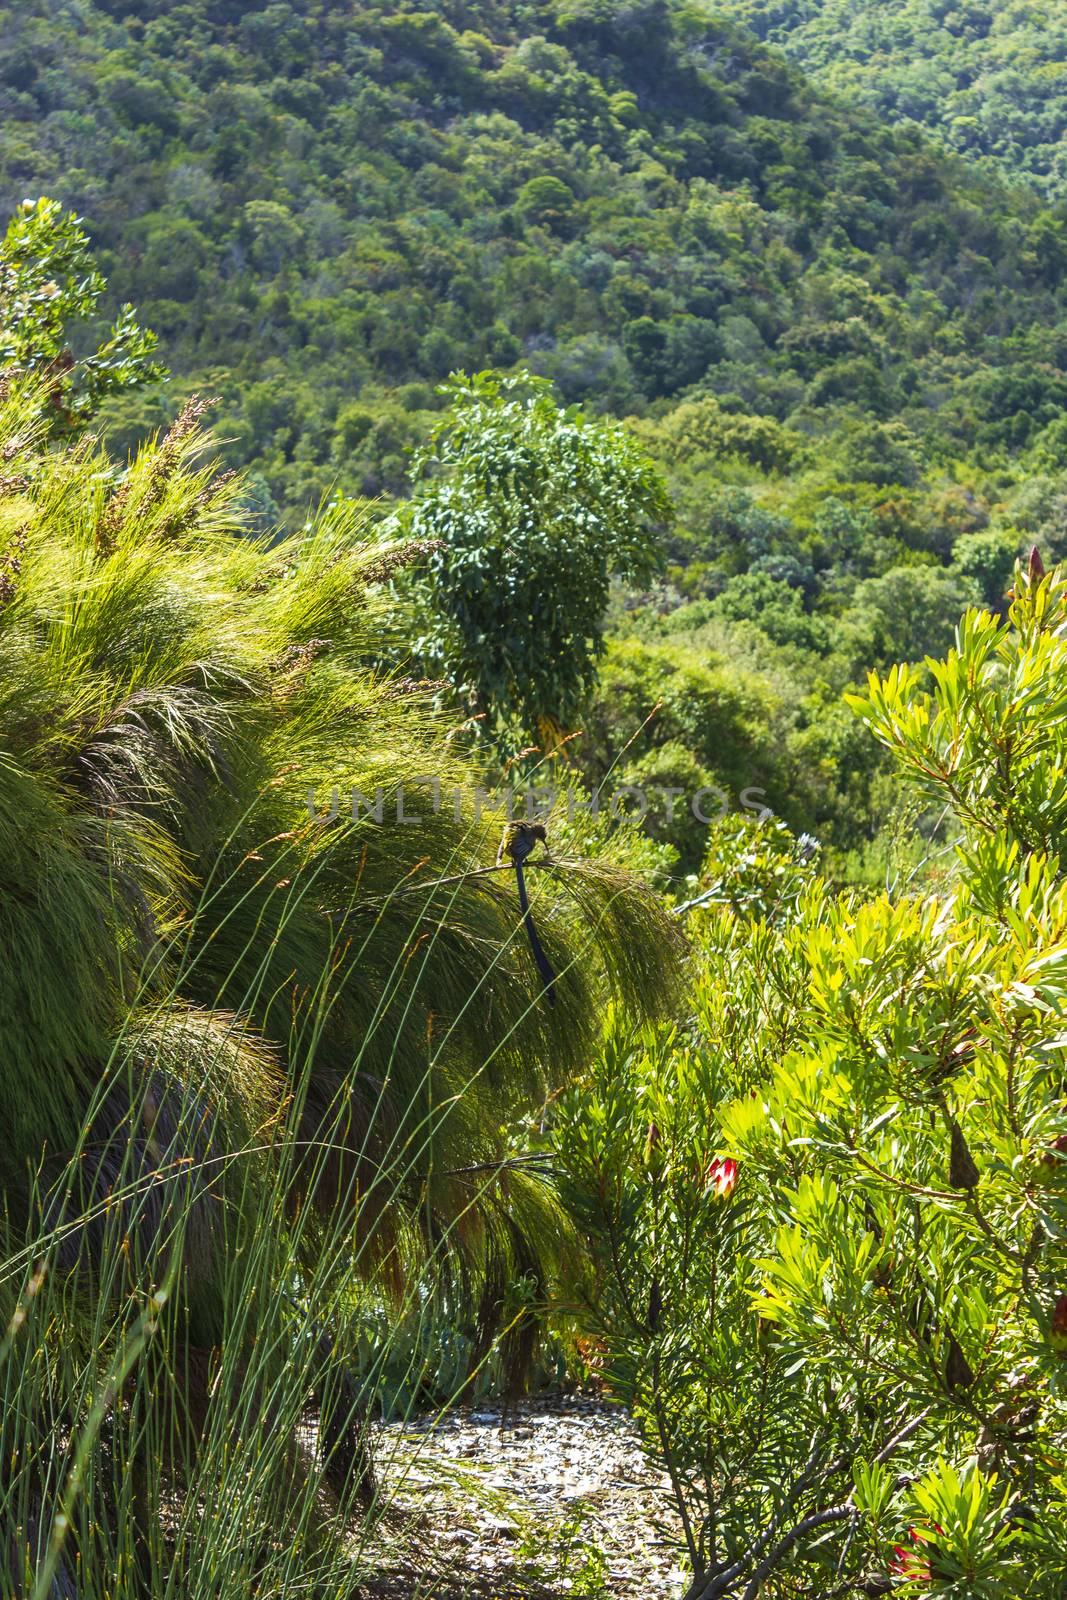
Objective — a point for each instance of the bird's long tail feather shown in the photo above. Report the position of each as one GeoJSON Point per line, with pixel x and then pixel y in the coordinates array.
{"type": "Point", "coordinates": [544, 966]}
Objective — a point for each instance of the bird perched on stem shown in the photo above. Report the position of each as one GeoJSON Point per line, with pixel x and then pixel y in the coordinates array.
{"type": "Point", "coordinates": [518, 843]}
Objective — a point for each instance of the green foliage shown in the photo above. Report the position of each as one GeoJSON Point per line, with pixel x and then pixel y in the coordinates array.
{"type": "Point", "coordinates": [986, 735]}
{"type": "Point", "coordinates": [845, 349]}
{"type": "Point", "coordinates": [775, 606]}
{"type": "Point", "coordinates": [987, 80]}
{"type": "Point", "coordinates": [681, 726]}
{"type": "Point", "coordinates": [697, 703]}
{"type": "Point", "coordinates": [545, 199]}
{"type": "Point", "coordinates": [48, 285]}
{"type": "Point", "coordinates": [567, 1554]}
{"type": "Point", "coordinates": [906, 614]}
{"type": "Point", "coordinates": [705, 427]}
{"type": "Point", "coordinates": [848, 353]}
{"type": "Point", "coordinates": [758, 868]}
{"type": "Point", "coordinates": [527, 512]}
{"type": "Point", "coordinates": [988, 556]}
{"type": "Point", "coordinates": [340, 203]}
{"type": "Point", "coordinates": [826, 1214]}
{"type": "Point", "coordinates": [238, 1007]}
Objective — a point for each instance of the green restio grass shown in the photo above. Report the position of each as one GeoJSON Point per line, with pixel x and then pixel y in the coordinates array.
{"type": "Point", "coordinates": [258, 1064]}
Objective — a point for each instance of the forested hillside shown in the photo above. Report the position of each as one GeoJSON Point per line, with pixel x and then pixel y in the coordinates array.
{"type": "Point", "coordinates": [326, 208]}
{"type": "Point", "coordinates": [988, 77]}
{"type": "Point", "coordinates": [846, 348]}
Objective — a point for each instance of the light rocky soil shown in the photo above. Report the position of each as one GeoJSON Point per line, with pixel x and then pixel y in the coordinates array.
{"type": "Point", "coordinates": [556, 1499]}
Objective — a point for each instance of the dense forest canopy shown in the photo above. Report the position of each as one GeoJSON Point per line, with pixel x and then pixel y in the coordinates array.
{"type": "Point", "coordinates": [326, 209]}
{"type": "Point", "coordinates": [989, 79]}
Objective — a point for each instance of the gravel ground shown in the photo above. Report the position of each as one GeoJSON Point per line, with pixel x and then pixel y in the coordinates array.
{"type": "Point", "coordinates": [556, 1500]}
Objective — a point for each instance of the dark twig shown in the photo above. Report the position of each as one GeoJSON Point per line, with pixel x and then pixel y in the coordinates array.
{"type": "Point", "coordinates": [719, 1585]}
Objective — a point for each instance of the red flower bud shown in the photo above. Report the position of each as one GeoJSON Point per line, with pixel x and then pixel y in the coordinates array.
{"type": "Point", "coordinates": [721, 1177]}
{"type": "Point", "coordinates": [913, 1565]}
{"type": "Point", "coordinates": [909, 1565]}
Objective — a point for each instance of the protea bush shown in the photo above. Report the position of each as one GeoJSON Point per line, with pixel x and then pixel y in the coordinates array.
{"type": "Point", "coordinates": [261, 1057]}
{"type": "Point", "coordinates": [827, 1215]}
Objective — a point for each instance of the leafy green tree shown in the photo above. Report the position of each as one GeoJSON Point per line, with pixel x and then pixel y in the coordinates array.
{"type": "Point", "coordinates": [988, 556]}
{"type": "Point", "coordinates": [547, 200]}
{"type": "Point", "coordinates": [48, 285]}
{"type": "Point", "coordinates": [275, 235]}
{"type": "Point", "coordinates": [528, 511]}
{"type": "Point", "coordinates": [774, 606]}
{"type": "Point", "coordinates": [879, 453]}
{"type": "Point", "coordinates": [645, 343]}
{"type": "Point", "coordinates": [906, 614]}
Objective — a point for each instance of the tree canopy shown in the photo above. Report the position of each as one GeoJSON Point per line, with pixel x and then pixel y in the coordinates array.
{"type": "Point", "coordinates": [527, 512]}
{"type": "Point", "coordinates": [986, 79]}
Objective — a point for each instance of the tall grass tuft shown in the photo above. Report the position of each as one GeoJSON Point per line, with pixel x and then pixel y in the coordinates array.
{"type": "Point", "coordinates": [259, 1055]}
